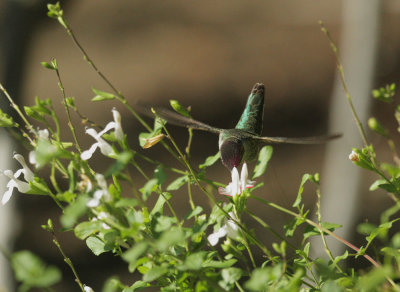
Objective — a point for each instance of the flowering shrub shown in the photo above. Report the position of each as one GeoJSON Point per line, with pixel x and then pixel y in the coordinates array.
{"type": "Point", "coordinates": [203, 251]}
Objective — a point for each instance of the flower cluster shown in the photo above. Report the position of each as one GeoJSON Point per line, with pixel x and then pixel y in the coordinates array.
{"type": "Point", "coordinates": [238, 184]}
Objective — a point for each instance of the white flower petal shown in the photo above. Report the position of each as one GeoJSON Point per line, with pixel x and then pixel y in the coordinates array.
{"type": "Point", "coordinates": [85, 155]}
{"type": "Point", "coordinates": [7, 196]}
{"type": "Point", "coordinates": [105, 148]}
{"type": "Point", "coordinates": [28, 174]}
{"type": "Point", "coordinates": [214, 237]}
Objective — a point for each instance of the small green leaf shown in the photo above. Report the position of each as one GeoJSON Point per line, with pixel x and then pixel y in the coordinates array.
{"type": "Point", "coordinates": [73, 212]}
{"type": "Point", "coordinates": [169, 238]}
{"type": "Point", "coordinates": [178, 183]}
{"type": "Point", "coordinates": [304, 179]}
{"type": "Point", "coordinates": [259, 280]}
{"type": "Point", "coordinates": [134, 253]}
{"type": "Point", "coordinates": [96, 245]}
{"type": "Point", "coordinates": [154, 273]}
{"type": "Point", "coordinates": [6, 121]}
{"type": "Point", "coordinates": [179, 108]}
{"type": "Point", "coordinates": [87, 228]}
{"type": "Point", "coordinates": [210, 160]}
{"type": "Point", "coordinates": [102, 95]}
{"type": "Point", "coordinates": [160, 175]}
{"type": "Point", "coordinates": [158, 207]}
{"type": "Point", "coordinates": [263, 158]}
{"type": "Point", "coordinates": [193, 262]}
{"type": "Point", "coordinates": [219, 264]}
{"type": "Point", "coordinates": [375, 126]}
{"type": "Point", "coordinates": [47, 65]}
{"type": "Point", "coordinates": [148, 188]}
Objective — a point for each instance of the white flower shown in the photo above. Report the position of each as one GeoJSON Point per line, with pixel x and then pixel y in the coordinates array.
{"type": "Point", "coordinates": [238, 184]}
{"type": "Point", "coordinates": [14, 182]}
{"type": "Point", "coordinates": [105, 148]}
{"type": "Point", "coordinates": [229, 229]}
{"type": "Point", "coordinates": [87, 289]}
{"type": "Point", "coordinates": [103, 192]}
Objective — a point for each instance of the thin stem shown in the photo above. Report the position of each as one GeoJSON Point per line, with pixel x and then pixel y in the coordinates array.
{"type": "Point", "coordinates": [328, 251]}
{"type": "Point", "coordinates": [66, 259]}
{"type": "Point", "coordinates": [343, 80]}
{"type": "Point", "coordinates": [71, 127]}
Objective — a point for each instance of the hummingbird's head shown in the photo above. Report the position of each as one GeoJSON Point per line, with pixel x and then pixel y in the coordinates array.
{"type": "Point", "coordinates": [232, 151]}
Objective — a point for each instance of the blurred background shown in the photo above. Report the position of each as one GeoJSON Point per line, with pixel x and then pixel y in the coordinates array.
{"type": "Point", "coordinates": [207, 56]}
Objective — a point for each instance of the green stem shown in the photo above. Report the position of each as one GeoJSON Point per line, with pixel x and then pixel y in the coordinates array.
{"type": "Point", "coordinates": [67, 260]}
{"type": "Point", "coordinates": [70, 125]}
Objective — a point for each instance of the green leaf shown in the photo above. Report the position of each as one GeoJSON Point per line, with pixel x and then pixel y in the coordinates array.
{"type": "Point", "coordinates": [158, 207]}
{"type": "Point", "coordinates": [193, 262]}
{"type": "Point", "coordinates": [196, 211]}
{"type": "Point", "coordinates": [160, 175]}
{"type": "Point", "coordinates": [112, 284]}
{"type": "Point", "coordinates": [178, 183]}
{"type": "Point", "coordinates": [170, 238]}
{"type": "Point", "coordinates": [164, 223]}
{"type": "Point", "coordinates": [375, 126]}
{"type": "Point", "coordinates": [148, 188]}
{"type": "Point", "coordinates": [219, 264]}
{"type": "Point", "coordinates": [154, 273]}
{"type": "Point", "coordinates": [96, 245]}
{"type": "Point", "coordinates": [263, 158]}
{"type": "Point", "coordinates": [259, 280]}
{"type": "Point", "coordinates": [47, 65]}
{"type": "Point", "coordinates": [6, 121]}
{"type": "Point", "coordinates": [210, 160]}
{"type": "Point", "coordinates": [131, 256]}
{"type": "Point", "coordinates": [229, 277]}
{"type": "Point", "coordinates": [86, 229]}
{"type": "Point", "coordinates": [306, 177]}
{"type": "Point", "coordinates": [102, 95]}
{"type": "Point", "coordinates": [126, 202]}
{"type": "Point", "coordinates": [74, 211]}
{"type": "Point", "coordinates": [32, 271]}
{"type": "Point", "coordinates": [179, 108]}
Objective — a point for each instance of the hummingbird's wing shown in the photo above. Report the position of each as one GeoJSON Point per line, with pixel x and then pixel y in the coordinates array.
{"type": "Point", "coordinates": [303, 140]}
{"type": "Point", "coordinates": [179, 120]}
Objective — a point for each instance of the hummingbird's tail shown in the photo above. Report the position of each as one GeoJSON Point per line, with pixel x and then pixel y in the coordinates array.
{"type": "Point", "coordinates": [252, 116]}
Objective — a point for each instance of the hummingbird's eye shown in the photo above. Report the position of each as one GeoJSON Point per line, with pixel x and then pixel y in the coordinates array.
{"type": "Point", "coordinates": [232, 153]}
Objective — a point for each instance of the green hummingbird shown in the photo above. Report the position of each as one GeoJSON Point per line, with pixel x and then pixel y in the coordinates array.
{"type": "Point", "coordinates": [242, 143]}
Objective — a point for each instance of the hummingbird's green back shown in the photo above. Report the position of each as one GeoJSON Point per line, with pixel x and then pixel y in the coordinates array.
{"type": "Point", "coordinates": [252, 116]}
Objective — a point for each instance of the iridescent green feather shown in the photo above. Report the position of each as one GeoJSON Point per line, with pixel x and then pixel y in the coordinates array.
{"type": "Point", "coordinates": [252, 116]}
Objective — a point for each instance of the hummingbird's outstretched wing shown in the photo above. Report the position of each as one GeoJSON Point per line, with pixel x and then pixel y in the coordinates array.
{"type": "Point", "coordinates": [303, 140]}
{"type": "Point", "coordinates": [179, 120]}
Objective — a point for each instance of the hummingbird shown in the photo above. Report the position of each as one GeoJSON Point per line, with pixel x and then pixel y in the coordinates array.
{"type": "Point", "coordinates": [242, 143]}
